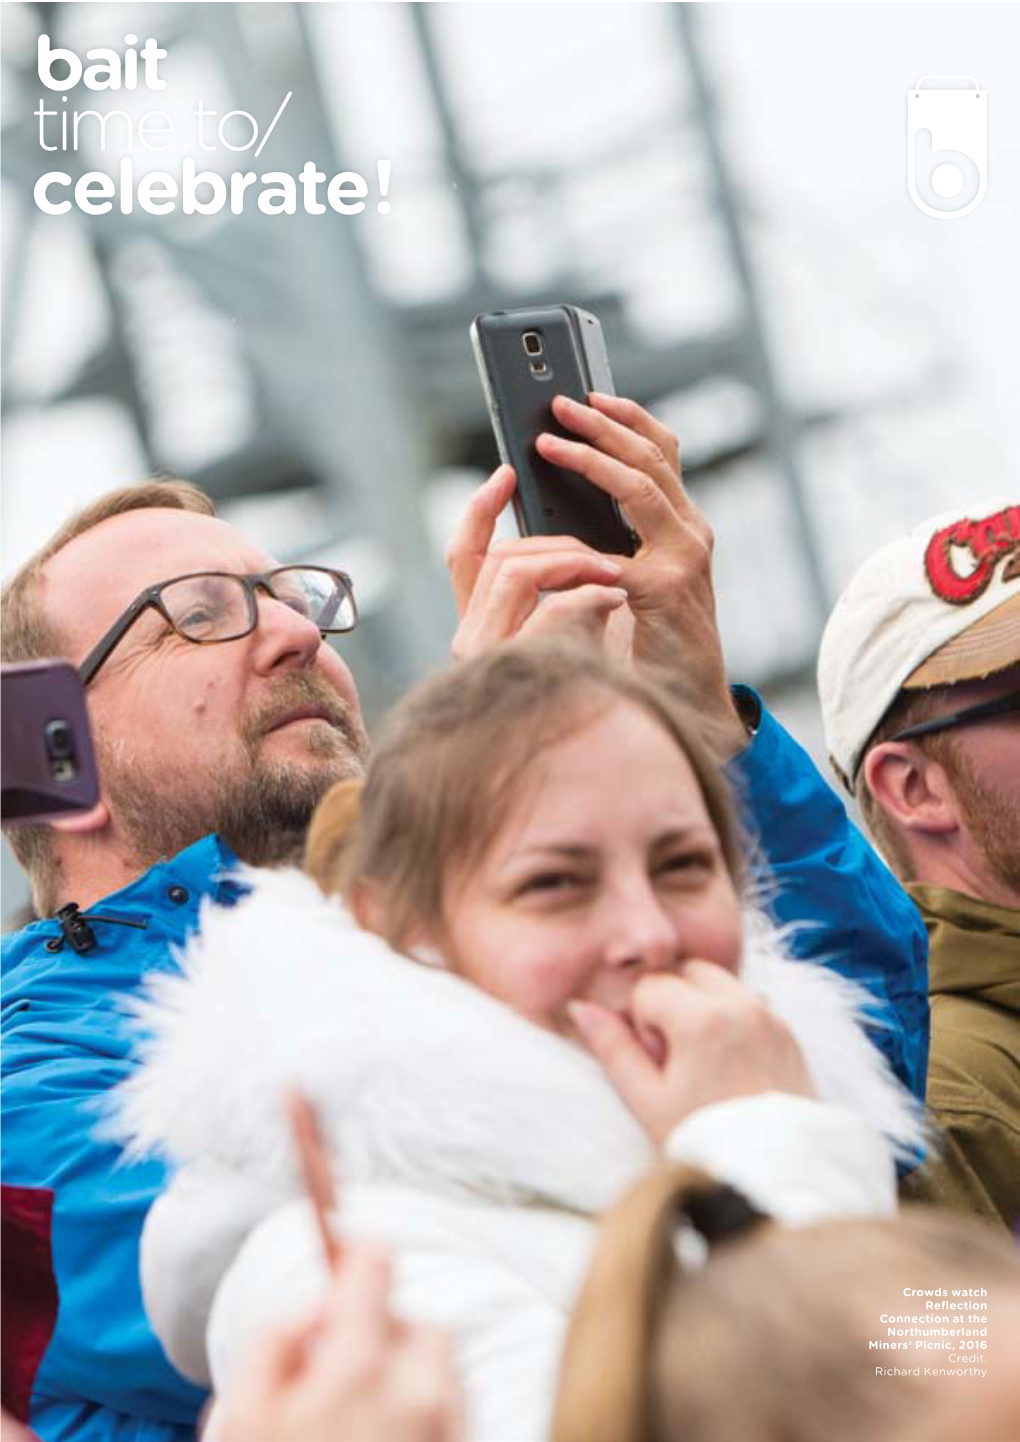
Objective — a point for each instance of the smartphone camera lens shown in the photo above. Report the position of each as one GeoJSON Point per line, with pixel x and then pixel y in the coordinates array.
{"type": "Point", "coordinates": [532, 342]}
{"type": "Point", "coordinates": [59, 740]}
{"type": "Point", "coordinates": [59, 745]}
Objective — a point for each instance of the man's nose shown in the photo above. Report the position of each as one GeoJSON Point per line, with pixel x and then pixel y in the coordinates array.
{"type": "Point", "coordinates": [283, 637]}
{"type": "Point", "coordinates": [643, 932]}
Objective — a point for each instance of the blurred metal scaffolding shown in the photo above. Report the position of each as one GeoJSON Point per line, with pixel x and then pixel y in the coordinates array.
{"type": "Point", "coordinates": [359, 398]}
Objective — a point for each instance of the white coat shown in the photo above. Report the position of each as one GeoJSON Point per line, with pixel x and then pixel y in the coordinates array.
{"type": "Point", "coordinates": [477, 1147]}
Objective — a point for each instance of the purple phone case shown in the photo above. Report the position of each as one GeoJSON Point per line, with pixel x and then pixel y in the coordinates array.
{"type": "Point", "coordinates": [46, 773]}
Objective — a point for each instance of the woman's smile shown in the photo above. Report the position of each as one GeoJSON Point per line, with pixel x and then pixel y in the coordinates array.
{"type": "Point", "coordinates": [606, 868]}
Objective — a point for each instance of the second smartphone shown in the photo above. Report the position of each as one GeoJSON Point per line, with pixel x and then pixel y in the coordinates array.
{"type": "Point", "coordinates": [525, 357]}
{"type": "Point", "coordinates": [49, 767]}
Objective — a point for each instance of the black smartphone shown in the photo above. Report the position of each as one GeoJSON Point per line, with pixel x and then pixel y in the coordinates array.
{"type": "Point", "coordinates": [525, 357]}
{"type": "Point", "coordinates": [46, 756]}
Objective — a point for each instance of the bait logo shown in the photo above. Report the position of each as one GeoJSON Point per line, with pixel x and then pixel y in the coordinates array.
{"type": "Point", "coordinates": [947, 148]}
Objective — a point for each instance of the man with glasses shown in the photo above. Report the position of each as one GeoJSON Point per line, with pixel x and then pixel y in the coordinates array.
{"type": "Point", "coordinates": [919, 678]}
{"type": "Point", "coordinates": [220, 716]}
{"type": "Point", "coordinates": [193, 735]}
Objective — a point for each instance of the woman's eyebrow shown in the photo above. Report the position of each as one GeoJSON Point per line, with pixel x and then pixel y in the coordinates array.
{"type": "Point", "coordinates": [578, 851]}
{"type": "Point", "coordinates": [697, 830]}
{"type": "Point", "coordinates": [571, 850]}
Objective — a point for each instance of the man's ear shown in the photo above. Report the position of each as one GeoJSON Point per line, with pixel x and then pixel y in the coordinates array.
{"type": "Point", "coordinates": [83, 821]}
{"type": "Point", "coordinates": [910, 787]}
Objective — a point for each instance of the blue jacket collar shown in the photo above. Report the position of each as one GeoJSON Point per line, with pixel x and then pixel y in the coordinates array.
{"type": "Point", "coordinates": [206, 868]}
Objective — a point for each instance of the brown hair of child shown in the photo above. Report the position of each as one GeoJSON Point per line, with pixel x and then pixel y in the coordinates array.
{"type": "Point", "coordinates": [764, 1337]}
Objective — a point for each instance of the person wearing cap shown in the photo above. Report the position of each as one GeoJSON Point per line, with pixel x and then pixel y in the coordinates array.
{"type": "Point", "coordinates": [919, 681]}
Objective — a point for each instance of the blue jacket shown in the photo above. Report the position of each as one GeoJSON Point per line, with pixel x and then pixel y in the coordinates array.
{"type": "Point", "coordinates": [65, 1043]}
{"type": "Point", "coordinates": [851, 912]}
{"type": "Point", "coordinates": [104, 1375]}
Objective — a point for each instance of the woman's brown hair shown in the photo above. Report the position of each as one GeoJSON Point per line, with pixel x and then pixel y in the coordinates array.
{"type": "Point", "coordinates": [765, 1336]}
{"type": "Point", "coordinates": [453, 753]}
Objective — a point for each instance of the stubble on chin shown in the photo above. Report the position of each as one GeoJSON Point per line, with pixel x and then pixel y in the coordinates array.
{"type": "Point", "coordinates": [259, 806]}
{"type": "Point", "coordinates": [339, 735]}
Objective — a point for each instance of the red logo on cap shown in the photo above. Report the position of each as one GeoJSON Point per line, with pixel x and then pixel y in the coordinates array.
{"type": "Point", "coordinates": [989, 541]}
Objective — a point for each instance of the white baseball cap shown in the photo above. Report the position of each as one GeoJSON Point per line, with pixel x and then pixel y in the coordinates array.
{"type": "Point", "coordinates": [937, 606]}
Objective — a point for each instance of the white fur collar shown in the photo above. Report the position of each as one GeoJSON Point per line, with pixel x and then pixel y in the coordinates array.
{"type": "Point", "coordinates": [418, 1076]}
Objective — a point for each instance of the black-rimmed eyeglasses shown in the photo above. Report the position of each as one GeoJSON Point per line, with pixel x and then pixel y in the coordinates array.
{"type": "Point", "coordinates": [207, 607]}
{"type": "Point", "coordinates": [983, 711]}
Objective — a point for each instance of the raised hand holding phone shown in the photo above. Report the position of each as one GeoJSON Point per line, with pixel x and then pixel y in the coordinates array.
{"type": "Point", "coordinates": [656, 606]}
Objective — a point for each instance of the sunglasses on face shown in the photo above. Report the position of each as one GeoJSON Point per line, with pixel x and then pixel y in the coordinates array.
{"type": "Point", "coordinates": [983, 711]}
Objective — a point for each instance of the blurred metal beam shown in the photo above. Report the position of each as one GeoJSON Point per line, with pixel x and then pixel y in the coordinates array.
{"type": "Point", "coordinates": [462, 176]}
{"type": "Point", "coordinates": [336, 404]}
{"type": "Point", "coordinates": [360, 428]}
{"type": "Point", "coordinates": [362, 398]}
{"type": "Point", "coordinates": [780, 432]}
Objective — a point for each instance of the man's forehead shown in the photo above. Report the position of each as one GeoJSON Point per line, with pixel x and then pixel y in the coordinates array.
{"type": "Point", "coordinates": [91, 579]}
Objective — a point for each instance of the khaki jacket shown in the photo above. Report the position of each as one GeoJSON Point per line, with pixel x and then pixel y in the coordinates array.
{"type": "Point", "coordinates": [974, 1067]}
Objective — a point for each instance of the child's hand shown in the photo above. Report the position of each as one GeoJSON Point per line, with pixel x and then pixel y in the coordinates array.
{"type": "Point", "coordinates": [353, 1373]}
{"type": "Point", "coordinates": [694, 1038]}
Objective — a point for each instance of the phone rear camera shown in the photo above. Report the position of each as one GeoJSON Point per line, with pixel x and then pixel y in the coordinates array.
{"type": "Point", "coordinates": [532, 342]}
{"type": "Point", "coordinates": [59, 741]}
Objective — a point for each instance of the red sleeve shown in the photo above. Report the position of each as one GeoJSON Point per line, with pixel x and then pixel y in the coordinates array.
{"type": "Point", "coordinates": [29, 1290]}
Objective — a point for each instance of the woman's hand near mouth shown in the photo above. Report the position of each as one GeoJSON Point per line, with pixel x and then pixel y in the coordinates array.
{"type": "Point", "coordinates": [692, 1038]}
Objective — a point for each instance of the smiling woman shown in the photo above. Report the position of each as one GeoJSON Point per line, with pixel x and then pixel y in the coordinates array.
{"type": "Point", "coordinates": [556, 788]}
{"type": "Point", "coordinates": [545, 864]}
{"type": "Point", "coordinates": [576, 900]}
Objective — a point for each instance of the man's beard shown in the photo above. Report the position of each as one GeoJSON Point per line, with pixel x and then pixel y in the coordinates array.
{"type": "Point", "coordinates": [260, 808]}
{"type": "Point", "coordinates": [991, 818]}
